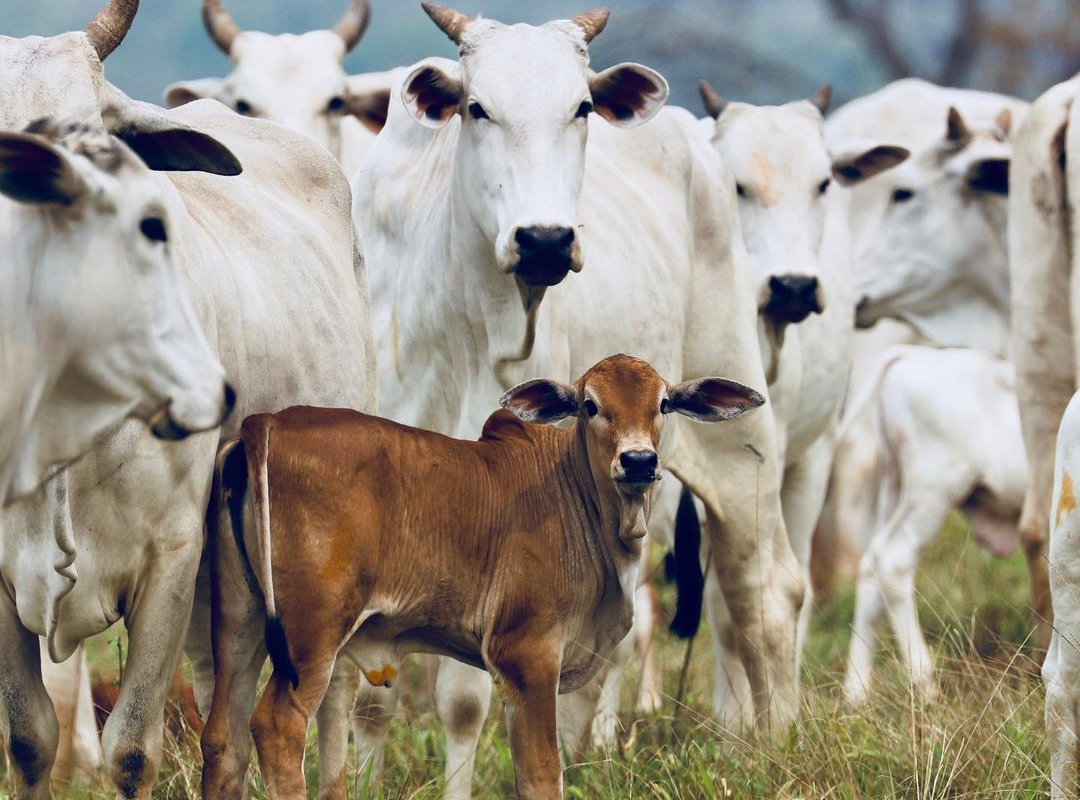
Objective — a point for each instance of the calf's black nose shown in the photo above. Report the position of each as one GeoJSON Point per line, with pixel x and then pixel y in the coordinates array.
{"type": "Point", "coordinates": [792, 298]}
{"type": "Point", "coordinates": [639, 465]}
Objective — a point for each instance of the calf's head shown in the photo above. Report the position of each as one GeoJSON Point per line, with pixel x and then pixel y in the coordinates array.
{"type": "Point", "coordinates": [620, 405]}
{"type": "Point", "coordinates": [783, 175]}
{"type": "Point", "coordinates": [523, 96]}
{"type": "Point", "coordinates": [295, 80]}
{"type": "Point", "coordinates": [89, 230]}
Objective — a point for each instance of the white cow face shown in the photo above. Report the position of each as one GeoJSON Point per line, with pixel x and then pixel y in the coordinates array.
{"type": "Point", "coordinates": [942, 245]}
{"type": "Point", "coordinates": [784, 174]}
{"type": "Point", "coordinates": [524, 95]}
{"type": "Point", "coordinates": [88, 236]}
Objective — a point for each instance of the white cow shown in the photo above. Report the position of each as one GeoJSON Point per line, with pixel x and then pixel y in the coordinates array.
{"type": "Point", "coordinates": [1042, 243]}
{"type": "Point", "coordinates": [297, 81]}
{"type": "Point", "coordinates": [949, 427]}
{"type": "Point", "coordinates": [270, 261]}
{"type": "Point", "coordinates": [912, 113]}
{"type": "Point", "coordinates": [94, 324]}
{"type": "Point", "coordinates": [479, 196]}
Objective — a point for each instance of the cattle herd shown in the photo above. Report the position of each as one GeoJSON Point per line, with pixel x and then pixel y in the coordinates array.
{"type": "Point", "coordinates": [202, 309]}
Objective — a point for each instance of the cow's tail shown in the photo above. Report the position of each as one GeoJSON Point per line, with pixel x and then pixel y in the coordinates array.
{"type": "Point", "coordinates": [869, 390]}
{"type": "Point", "coordinates": [244, 467]}
{"type": "Point", "coordinates": [689, 579]}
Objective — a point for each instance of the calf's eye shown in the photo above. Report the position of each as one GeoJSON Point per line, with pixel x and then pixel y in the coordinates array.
{"type": "Point", "coordinates": [902, 195]}
{"type": "Point", "coordinates": [665, 406]}
{"type": "Point", "coordinates": [824, 186]}
{"type": "Point", "coordinates": [590, 408]}
{"type": "Point", "coordinates": [243, 107]}
{"type": "Point", "coordinates": [740, 190]}
{"type": "Point", "coordinates": [336, 104]}
{"type": "Point", "coordinates": [476, 111]}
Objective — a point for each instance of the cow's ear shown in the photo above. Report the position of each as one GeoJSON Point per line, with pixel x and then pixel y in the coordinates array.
{"type": "Point", "coordinates": [33, 170]}
{"type": "Point", "coordinates": [432, 95]}
{"type": "Point", "coordinates": [711, 399]}
{"type": "Point", "coordinates": [541, 401]}
{"type": "Point", "coordinates": [856, 165]}
{"type": "Point", "coordinates": [162, 142]}
{"type": "Point", "coordinates": [988, 175]}
{"type": "Point", "coordinates": [184, 92]}
{"type": "Point", "coordinates": [628, 94]}
{"type": "Point", "coordinates": [370, 107]}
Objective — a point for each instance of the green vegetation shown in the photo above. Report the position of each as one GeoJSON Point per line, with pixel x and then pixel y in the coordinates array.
{"type": "Point", "coordinates": [982, 739]}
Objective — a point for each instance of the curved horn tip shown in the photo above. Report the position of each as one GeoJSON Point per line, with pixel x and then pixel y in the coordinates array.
{"type": "Point", "coordinates": [714, 103]}
{"type": "Point", "coordinates": [110, 26]}
{"type": "Point", "coordinates": [353, 23]}
{"type": "Point", "coordinates": [450, 21]}
{"type": "Point", "coordinates": [219, 24]}
{"type": "Point", "coordinates": [592, 22]}
{"type": "Point", "coordinates": [822, 98]}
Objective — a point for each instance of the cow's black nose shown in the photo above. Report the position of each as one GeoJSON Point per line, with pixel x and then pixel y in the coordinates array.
{"type": "Point", "coordinates": [537, 239]}
{"type": "Point", "coordinates": [792, 298]}
{"type": "Point", "coordinates": [638, 465]}
{"type": "Point", "coordinates": [544, 255]}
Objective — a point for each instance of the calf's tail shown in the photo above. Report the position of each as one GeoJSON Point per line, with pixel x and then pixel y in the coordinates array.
{"type": "Point", "coordinates": [689, 579]}
{"type": "Point", "coordinates": [243, 466]}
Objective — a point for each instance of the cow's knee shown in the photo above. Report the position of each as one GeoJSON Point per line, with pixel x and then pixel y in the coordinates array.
{"type": "Point", "coordinates": [463, 713]}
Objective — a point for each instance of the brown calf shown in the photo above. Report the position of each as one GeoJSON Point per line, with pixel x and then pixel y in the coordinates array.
{"type": "Point", "coordinates": [516, 553]}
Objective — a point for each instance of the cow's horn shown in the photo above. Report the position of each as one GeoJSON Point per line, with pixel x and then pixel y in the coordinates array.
{"type": "Point", "coordinates": [956, 130]}
{"type": "Point", "coordinates": [822, 98]}
{"type": "Point", "coordinates": [219, 25]}
{"type": "Point", "coordinates": [111, 25]}
{"type": "Point", "coordinates": [352, 25]}
{"type": "Point", "coordinates": [592, 22]}
{"type": "Point", "coordinates": [450, 21]}
{"type": "Point", "coordinates": [714, 103]}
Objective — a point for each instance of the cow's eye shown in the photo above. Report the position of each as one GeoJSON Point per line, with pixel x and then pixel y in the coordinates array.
{"type": "Point", "coordinates": [243, 107]}
{"type": "Point", "coordinates": [740, 190]}
{"type": "Point", "coordinates": [476, 111]}
{"type": "Point", "coordinates": [335, 105]}
{"type": "Point", "coordinates": [824, 186]}
{"type": "Point", "coordinates": [153, 228]}
{"type": "Point", "coordinates": [583, 110]}
{"type": "Point", "coordinates": [590, 408]}
{"type": "Point", "coordinates": [902, 195]}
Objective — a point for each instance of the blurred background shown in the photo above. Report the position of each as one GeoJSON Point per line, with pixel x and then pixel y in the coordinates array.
{"type": "Point", "coordinates": [762, 51]}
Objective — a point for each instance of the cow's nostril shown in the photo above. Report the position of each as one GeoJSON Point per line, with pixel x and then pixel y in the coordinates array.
{"type": "Point", "coordinates": [536, 239]}
{"type": "Point", "coordinates": [230, 400]}
{"type": "Point", "coordinates": [638, 460]}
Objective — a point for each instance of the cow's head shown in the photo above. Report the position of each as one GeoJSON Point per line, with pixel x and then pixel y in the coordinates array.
{"type": "Point", "coordinates": [85, 229]}
{"type": "Point", "coordinates": [783, 173]}
{"type": "Point", "coordinates": [523, 96]}
{"type": "Point", "coordinates": [942, 244]}
{"type": "Point", "coordinates": [295, 80]}
{"type": "Point", "coordinates": [620, 404]}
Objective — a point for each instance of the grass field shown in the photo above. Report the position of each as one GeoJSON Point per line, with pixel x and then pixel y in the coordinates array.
{"type": "Point", "coordinates": [982, 739]}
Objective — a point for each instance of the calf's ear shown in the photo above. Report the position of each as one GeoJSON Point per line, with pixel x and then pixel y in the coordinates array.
{"type": "Point", "coordinates": [33, 170]}
{"type": "Point", "coordinates": [627, 95]}
{"type": "Point", "coordinates": [432, 95]}
{"type": "Point", "coordinates": [711, 399]}
{"type": "Point", "coordinates": [541, 401]}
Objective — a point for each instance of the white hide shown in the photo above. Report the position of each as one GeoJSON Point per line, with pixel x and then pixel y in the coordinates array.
{"type": "Point", "coordinates": [270, 261]}
{"type": "Point", "coordinates": [663, 276]}
{"type": "Point", "coordinates": [949, 428]}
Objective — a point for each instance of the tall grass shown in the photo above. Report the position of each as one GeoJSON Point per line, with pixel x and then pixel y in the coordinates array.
{"type": "Point", "coordinates": [982, 739]}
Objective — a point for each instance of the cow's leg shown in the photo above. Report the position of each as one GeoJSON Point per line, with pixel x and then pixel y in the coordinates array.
{"type": "Point", "coordinates": [28, 723]}
{"type": "Point", "coordinates": [373, 709]}
{"type": "Point", "coordinates": [894, 556]}
{"type": "Point", "coordinates": [462, 699]}
{"type": "Point", "coordinates": [1061, 669]}
{"type": "Point", "coordinates": [280, 722]}
{"type": "Point", "coordinates": [646, 609]}
{"type": "Point", "coordinates": [157, 623]}
{"type": "Point", "coordinates": [802, 497]}
{"type": "Point", "coordinates": [197, 644]}
{"type": "Point", "coordinates": [530, 673]}
{"type": "Point", "coordinates": [78, 752]}
{"type": "Point", "coordinates": [576, 714]}
{"type": "Point", "coordinates": [332, 720]}
{"type": "Point", "coordinates": [732, 703]}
